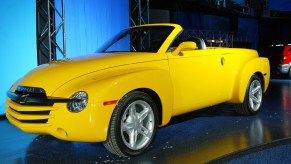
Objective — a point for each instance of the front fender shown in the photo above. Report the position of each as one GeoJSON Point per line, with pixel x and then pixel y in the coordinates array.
{"type": "Point", "coordinates": [258, 66]}
{"type": "Point", "coordinates": [158, 81]}
{"type": "Point", "coordinates": [113, 84]}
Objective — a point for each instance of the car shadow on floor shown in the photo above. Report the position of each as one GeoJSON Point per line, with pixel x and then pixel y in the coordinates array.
{"type": "Point", "coordinates": [46, 148]}
{"type": "Point", "coordinates": [214, 111]}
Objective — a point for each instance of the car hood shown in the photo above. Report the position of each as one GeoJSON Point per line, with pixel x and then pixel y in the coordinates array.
{"type": "Point", "coordinates": [54, 74]}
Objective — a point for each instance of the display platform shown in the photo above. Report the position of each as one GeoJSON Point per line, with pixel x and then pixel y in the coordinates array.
{"type": "Point", "coordinates": [197, 137]}
{"type": "Point", "coordinates": [277, 151]}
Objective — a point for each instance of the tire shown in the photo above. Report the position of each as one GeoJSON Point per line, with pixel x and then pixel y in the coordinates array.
{"type": "Point", "coordinates": [133, 125]}
{"type": "Point", "coordinates": [253, 98]}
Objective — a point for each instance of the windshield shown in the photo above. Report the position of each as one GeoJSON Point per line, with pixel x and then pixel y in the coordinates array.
{"type": "Point", "coordinates": [138, 39]}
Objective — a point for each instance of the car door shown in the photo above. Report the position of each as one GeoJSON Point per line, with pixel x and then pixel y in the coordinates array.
{"type": "Point", "coordinates": [198, 79]}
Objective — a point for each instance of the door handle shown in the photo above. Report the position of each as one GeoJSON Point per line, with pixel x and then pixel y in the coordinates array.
{"type": "Point", "coordinates": [222, 61]}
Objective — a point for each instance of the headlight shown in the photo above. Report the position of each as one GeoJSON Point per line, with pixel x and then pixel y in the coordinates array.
{"type": "Point", "coordinates": [78, 102]}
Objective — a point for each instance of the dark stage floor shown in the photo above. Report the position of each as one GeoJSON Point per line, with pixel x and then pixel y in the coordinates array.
{"type": "Point", "coordinates": [197, 137]}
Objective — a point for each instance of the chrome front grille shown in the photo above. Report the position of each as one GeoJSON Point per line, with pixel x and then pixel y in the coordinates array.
{"type": "Point", "coordinates": [38, 121]}
{"type": "Point", "coordinates": [47, 112]}
{"type": "Point", "coordinates": [30, 105]}
{"type": "Point", "coordinates": [28, 116]}
{"type": "Point", "coordinates": [32, 96]}
{"type": "Point", "coordinates": [31, 91]}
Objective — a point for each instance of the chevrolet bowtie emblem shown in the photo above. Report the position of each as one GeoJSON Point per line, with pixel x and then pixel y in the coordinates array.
{"type": "Point", "coordinates": [23, 98]}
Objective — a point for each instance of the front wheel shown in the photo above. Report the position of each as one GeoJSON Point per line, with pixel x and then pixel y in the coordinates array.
{"type": "Point", "coordinates": [133, 125]}
{"type": "Point", "coordinates": [253, 98]}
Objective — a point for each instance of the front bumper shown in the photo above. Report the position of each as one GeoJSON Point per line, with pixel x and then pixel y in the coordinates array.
{"type": "Point", "coordinates": [284, 68]}
{"type": "Point", "coordinates": [280, 69]}
{"type": "Point", "coordinates": [46, 116]}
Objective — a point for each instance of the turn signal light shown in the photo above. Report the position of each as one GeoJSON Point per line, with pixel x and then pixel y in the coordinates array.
{"type": "Point", "coordinates": [110, 102]}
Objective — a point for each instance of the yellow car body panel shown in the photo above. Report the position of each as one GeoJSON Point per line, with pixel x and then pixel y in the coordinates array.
{"type": "Point", "coordinates": [117, 80]}
{"type": "Point", "coordinates": [183, 82]}
{"type": "Point", "coordinates": [186, 80]}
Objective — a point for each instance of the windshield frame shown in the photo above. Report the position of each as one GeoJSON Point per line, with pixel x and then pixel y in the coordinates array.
{"type": "Point", "coordinates": [173, 30]}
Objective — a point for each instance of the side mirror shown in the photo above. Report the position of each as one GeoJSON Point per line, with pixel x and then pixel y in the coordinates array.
{"type": "Point", "coordinates": [185, 46]}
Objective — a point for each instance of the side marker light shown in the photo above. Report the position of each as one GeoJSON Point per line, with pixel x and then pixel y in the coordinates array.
{"type": "Point", "coordinates": [110, 102]}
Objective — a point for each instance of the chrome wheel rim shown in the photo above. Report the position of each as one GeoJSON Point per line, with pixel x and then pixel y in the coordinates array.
{"type": "Point", "coordinates": [255, 95]}
{"type": "Point", "coordinates": [137, 125]}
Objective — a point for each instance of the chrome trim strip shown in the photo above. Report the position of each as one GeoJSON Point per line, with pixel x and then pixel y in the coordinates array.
{"type": "Point", "coordinates": [38, 101]}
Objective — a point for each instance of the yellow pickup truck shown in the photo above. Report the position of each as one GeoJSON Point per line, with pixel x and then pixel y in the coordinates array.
{"type": "Point", "coordinates": [133, 84]}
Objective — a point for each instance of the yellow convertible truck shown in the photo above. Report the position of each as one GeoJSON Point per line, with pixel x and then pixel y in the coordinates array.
{"type": "Point", "coordinates": [134, 83]}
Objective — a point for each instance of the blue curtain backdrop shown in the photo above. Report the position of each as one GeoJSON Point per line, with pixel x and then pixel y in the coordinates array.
{"type": "Point", "coordinates": [250, 27]}
{"type": "Point", "coordinates": [201, 21]}
{"type": "Point", "coordinates": [195, 21]}
{"type": "Point", "coordinates": [281, 5]}
{"type": "Point", "coordinates": [17, 42]}
{"type": "Point", "coordinates": [89, 23]}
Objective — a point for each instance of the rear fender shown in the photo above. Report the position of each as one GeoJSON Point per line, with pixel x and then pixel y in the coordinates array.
{"type": "Point", "coordinates": [259, 66]}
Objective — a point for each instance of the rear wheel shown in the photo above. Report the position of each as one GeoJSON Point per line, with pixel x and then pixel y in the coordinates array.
{"type": "Point", "coordinates": [133, 125]}
{"type": "Point", "coordinates": [253, 98]}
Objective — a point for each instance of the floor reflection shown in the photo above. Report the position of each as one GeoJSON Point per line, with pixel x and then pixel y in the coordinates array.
{"type": "Point", "coordinates": [193, 138]}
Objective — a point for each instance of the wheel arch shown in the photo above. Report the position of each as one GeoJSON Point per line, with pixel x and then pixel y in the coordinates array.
{"type": "Point", "coordinates": [261, 76]}
{"type": "Point", "coordinates": [258, 66]}
{"type": "Point", "coordinates": [159, 88]}
{"type": "Point", "coordinates": [156, 99]}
